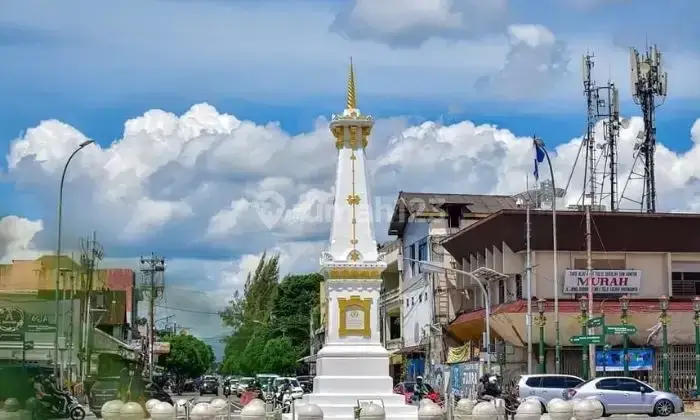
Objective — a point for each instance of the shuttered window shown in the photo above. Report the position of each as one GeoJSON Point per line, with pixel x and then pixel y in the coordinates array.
{"type": "Point", "coordinates": [685, 283]}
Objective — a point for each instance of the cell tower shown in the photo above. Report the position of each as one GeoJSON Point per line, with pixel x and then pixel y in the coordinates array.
{"type": "Point", "coordinates": [601, 174]}
{"type": "Point", "coordinates": [649, 90]}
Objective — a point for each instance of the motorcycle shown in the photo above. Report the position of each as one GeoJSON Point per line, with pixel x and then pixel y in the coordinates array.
{"type": "Point", "coordinates": [284, 401]}
{"type": "Point", "coordinates": [71, 408]}
{"type": "Point", "coordinates": [227, 390]}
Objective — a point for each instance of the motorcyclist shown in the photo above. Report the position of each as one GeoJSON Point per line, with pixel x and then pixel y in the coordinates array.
{"type": "Point", "coordinates": [488, 388]}
{"type": "Point", "coordinates": [51, 394]}
{"type": "Point", "coordinates": [283, 389]}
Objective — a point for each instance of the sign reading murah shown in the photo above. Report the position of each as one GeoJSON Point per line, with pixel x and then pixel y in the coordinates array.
{"type": "Point", "coordinates": [614, 282]}
{"type": "Point", "coordinates": [354, 317]}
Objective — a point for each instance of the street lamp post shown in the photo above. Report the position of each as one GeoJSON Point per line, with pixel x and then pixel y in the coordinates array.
{"type": "Point", "coordinates": [541, 321]}
{"type": "Point", "coordinates": [664, 319]}
{"type": "Point", "coordinates": [583, 302]}
{"type": "Point", "coordinates": [624, 319]}
{"type": "Point", "coordinates": [81, 146]}
{"type": "Point", "coordinates": [696, 309]}
{"type": "Point", "coordinates": [435, 268]}
{"type": "Point", "coordinates": [555, 269]}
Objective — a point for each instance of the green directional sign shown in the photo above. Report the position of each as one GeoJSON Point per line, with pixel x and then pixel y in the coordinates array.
{"type": "Point", "coordinates": [620, 329]}
{"type": "Point", "coordinates": [584, 340]}
{"type": "Point", "coordinates": [595, 322]}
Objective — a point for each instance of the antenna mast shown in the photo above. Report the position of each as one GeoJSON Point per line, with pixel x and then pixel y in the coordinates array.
{"type": "Point", "coordinates": [591, 92]}
{"type": "Point", "coordinates": [649, 90]}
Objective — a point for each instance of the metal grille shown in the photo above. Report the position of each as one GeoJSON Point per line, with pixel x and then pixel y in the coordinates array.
{"type": "Point", "coordinates": [682, 370]}
{"type": "Point", "coordinates": [571, 361]}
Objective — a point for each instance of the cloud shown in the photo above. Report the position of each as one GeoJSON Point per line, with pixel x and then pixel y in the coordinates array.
{"type": "Point", "coordinates": [536, 61]}
{"type": "Point", "coordinates": [416, 21]}
{"type": "Point", "coordinates": [200, 189]}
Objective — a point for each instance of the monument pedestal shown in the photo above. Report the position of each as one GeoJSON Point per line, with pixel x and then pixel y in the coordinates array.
{"type": "Point", "coordinates": [352, 372]}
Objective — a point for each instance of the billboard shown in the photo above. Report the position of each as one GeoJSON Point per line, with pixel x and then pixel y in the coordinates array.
{"type": "Point", "coordinates": [613, 282]}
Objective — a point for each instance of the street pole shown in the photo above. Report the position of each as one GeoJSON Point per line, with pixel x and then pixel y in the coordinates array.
{"type": "Point", "coordinates": [59, 221]}
{"type": "Point", "coordinates": [664, 319]}
{"type": "Point", "coordinates": [555, 262]}
{"type": "Point", "coordinates": [528, 273]}
{"type": "Point", "coordinates": [696, 309]}
{"type": "Point", "coordinates": [624, 319]}
{"type": "Point", "coordinates": [70, 328]}
{"type": "Point", "coordinates": [541, 322]}
{"type": "Point", "coordinates": [584, 331]}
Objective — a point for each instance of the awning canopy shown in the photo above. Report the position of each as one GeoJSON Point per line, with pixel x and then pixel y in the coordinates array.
{"type": "Point", "coordinates": [105, 343]}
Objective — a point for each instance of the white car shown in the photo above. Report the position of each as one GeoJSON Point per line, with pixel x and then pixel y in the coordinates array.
{"type": "Point", "coordinates": [297, 390]}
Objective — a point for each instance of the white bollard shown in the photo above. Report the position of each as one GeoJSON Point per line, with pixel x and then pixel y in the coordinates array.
{"type": "Point", "coordinates": [131, 411]}
{"type": "Point", "coordinates": [309, 412]}
{"type": "Point", "coordinates": [253, 411]}
{"type": "Point", "coordinates": [201, 411]}
{"type": "Point", "coordinates": [219, 406]}
{"type": "Point", "coordinates": [429, 411]}
{"type": "Point", "coordinates": [150, 404]}
{"type": "Point", "coordinates": [485, 411]}
{"type": "Point", "coordinates": [559, 409]}
{"type": "Point", "coordinates": [162, 411]}
{"type": "Point", "coordinates": [598, 409]}
{"type": "Point", "coordinates": [464, 408]}
{"type": "Point", "coordinates": [11, 405]}
{"type": "Point", "coordinates": [583, 410]}
{"type": "Point", "coordinates": [529, 410]}
{"type": "Point", "coordinates": [111, 409]}
{"type": "Point", "coordinates": [372, 412]}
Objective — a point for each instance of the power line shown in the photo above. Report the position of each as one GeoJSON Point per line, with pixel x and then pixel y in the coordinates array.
{"type": "Point", "coordinates": [193, 311]}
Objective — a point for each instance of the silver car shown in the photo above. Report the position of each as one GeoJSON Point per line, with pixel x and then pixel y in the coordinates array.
{"type": "Point", "coordinates": [545, 387]}
{"type": "Point", "coordinates": [622, 395]}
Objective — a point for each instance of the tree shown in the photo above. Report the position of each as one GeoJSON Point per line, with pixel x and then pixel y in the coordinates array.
{"type": "Point", "coordinates": [278, 356]}
{"type": "Point", "coordinates": [297, 296]}
{"type": "Point", "coordinates": [189, 357]}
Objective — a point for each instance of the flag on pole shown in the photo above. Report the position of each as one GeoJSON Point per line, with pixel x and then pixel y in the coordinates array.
{"type": "Point", "coordinates": [539, 156]}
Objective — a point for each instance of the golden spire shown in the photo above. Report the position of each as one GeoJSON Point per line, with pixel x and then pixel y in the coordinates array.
{"type": "Point", "coordinates": [351, 102]}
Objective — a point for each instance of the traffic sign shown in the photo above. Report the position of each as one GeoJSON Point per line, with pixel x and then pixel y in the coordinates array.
{"type": "Point", "coordinates": [584, 340]}
{"type": "Point", "coordinates": [620, 329]}
{"type": "Point", "coordinates": [595, 322]}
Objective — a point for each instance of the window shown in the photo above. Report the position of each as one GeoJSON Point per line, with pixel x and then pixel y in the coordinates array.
{"type": "Point", "coordinates": [533, 382]}
{"type": "Point", "coordinates": [420, 298]}
{"type": "Point", "coordinates": [629, 385]}
{"type": "Point", "coordinates": [684, 283]}
{"type": "Point", "coordinates": [501, 291]}
{"type": "Point", "coordinates": [407, 302]}
{"type": "Point", "coordinates": [572, 382]}
{"type": "Point", "coordinates": [518, 286]}
{"type": "Point", "coordinates": [423, 250]}
{"type": "Point", "coordinates": [610, 384]}
{"type": "Point", "coordinates": [426, 296]}
{"type": "Point", "coordinates": [553, 382]}
{"type": "Point", "coordinates": [412, 256]}
{"type": "Point", "coordinates": [394, 327]}
{"type": "Point", "coordinates": [413, 300]}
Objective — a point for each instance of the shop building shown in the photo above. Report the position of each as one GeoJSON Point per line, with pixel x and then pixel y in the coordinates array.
{"type": "Point", "coordinates": [640, 255]}
{"type": "Point", "coordinates": [416, 305]}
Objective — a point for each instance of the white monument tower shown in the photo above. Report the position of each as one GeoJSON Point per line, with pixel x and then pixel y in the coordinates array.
{"type": "Point", "coordinates": [353, 365]}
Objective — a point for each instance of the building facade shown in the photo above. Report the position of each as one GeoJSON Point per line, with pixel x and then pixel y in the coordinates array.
{"type": "Point", "coordinates": [643, 256]}
{"type": "Point", "coordinates": [418, 304]}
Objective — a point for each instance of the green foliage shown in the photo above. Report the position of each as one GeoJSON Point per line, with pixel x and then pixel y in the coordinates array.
{"type": "Point", "coordinates": [189, 357]}
{"type": "Point", "coordinates": [270, 321]}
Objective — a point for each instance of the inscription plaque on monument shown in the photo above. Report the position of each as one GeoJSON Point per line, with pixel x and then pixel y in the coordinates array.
{"type": "Point", "coordinates": [354, 317]}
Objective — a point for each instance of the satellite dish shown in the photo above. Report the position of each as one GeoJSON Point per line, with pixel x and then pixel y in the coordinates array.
{"type": "Point", "coordinates": [644, 68]}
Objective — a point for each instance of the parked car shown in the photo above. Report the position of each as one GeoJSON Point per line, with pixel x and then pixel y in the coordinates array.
{"type": "Point", "coordinates": [545, 387]}
{"type": "Point", "coordinates": [407, 389]}
{"type": "Point", "coordinates": [107, 389]}
{"type": "Point", "coordinates": [209, 386]}
{"type": "Point", "coordinates": [243, 384]}
{"type": "Point", "coordinates": [623, 395]}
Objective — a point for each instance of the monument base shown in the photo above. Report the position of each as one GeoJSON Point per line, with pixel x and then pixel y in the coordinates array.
{"type": "Point", "coordinates": [351, 372]}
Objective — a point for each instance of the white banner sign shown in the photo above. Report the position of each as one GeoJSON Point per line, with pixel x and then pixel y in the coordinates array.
{"type": "Point", "coordinates": [614, 282]}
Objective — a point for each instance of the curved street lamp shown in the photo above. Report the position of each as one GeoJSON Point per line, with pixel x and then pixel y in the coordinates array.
{"type": "Point", "coordinates": [58, 372]}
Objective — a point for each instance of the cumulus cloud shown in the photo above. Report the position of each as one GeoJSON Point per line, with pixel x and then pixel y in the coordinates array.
{"type": "Point", "coordinates": [413, 22]}
{"type": "Point", "coordinates": [187, 183]}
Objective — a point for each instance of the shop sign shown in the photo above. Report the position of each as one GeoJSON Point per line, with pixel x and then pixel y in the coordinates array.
{"type": "Point", "coordinates": [15, 322]}
{"type": "Point", "coordinates": [613, 282]}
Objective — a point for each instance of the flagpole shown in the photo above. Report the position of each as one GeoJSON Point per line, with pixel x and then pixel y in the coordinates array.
{"type": "Point", "coordinates": [555, 265]}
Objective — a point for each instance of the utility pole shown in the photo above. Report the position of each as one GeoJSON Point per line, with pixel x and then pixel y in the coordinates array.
{"type": "Point", "coordinates": [91, 253]}
{"type": "Point", "coordinates": [528, 274]}
{"type": "Point", "coordinates": [589, 274]}
{"type": "Point", "coordinates": [70, 326]}
{"type": "Point", "coordinates": [152, 270]}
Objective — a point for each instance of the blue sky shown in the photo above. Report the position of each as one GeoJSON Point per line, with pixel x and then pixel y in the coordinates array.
{"type": "Point", "coordinates": [435, 74]}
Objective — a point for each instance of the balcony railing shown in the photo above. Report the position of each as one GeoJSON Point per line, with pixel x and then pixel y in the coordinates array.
{"type": "Point", "coordinates": [390, 252]}
{"type": "Point", "coordinates": [390, 296]}
{"type": "Point", "coordinates": [394, 344]}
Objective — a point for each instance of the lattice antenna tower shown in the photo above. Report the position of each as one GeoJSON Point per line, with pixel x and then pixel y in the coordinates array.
{"type": "Point", "coordinates": [152, 269]}
{"type": "Point", "coordinates": [608, 109]}
{"type": "Point", "coordinates": [649, 90]}
{"type": "Point", "coordinates": [591, 92]}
